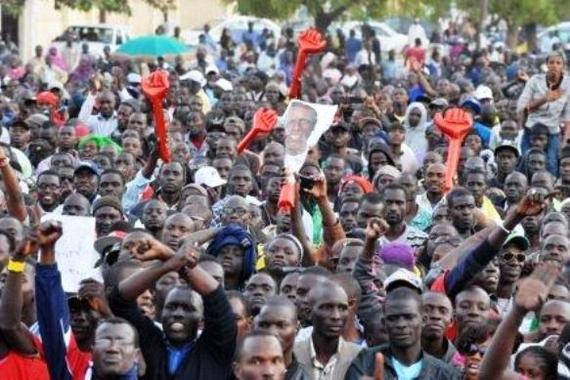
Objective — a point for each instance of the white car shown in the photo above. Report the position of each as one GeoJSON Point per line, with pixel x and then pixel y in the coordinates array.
{"type": "Point", "coordinates": [389, 38]}
{"type": "Point", "coordinates": [563, 30]}
{"type": "Point", "coordinates": [96, 36]}
{"type": "Point", "coordinates": [237, 25]}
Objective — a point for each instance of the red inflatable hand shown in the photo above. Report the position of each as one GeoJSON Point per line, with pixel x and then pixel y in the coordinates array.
{"type": "Point", "coordinates": [155, 87]}
{"type": "Point", "coordinates": [455, 124]}
{"type": "Point", "coordinates": [310, 42]}
{"type": "Point", "coordinates": [287, 198]}
{"type": "Point", "coordinates": [264, 120]}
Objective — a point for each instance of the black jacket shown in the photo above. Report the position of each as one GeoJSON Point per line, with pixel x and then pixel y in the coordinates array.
{"type": "Point", "coordinates": [212, 354]}
{"type": "Point", "coordinates": [432, 368]}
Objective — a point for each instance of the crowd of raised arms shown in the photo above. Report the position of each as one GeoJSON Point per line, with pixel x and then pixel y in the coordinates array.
{"type": "Point", "coordinates": [380, 270]}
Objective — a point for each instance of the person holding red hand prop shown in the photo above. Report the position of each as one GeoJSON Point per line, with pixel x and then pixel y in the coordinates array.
{"type": "Point", "coordinates": [155, 87]}
{"type": "Point", "coordinates": [310, 42]}
{"type": "Point", "coordinates": [455, 123]}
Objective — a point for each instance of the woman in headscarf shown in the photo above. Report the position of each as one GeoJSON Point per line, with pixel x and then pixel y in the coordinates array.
{"type": "Point", "coordinates": [234, 248]}
{"type": "Point", "coordinates": [56, 59]}
{"type": "Point", "coordinates": [83, 72]}
{"type": "Point", "coordinates": [415, 124]}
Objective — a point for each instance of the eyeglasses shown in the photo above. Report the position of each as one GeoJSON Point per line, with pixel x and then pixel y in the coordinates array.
{"type": "Point", "coordinates": [240, 211]}
{"type": "Point", "coordinates": [103, 343]}
{"type": "Point", "coordinates": [473, 349]}
{"type": "Point", "coordinates": [520, 257]}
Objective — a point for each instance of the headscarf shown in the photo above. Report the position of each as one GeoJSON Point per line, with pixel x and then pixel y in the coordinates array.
{"type": "Point", "coordinates": [234, 234]}
{"type": "Point", "coordinates": [84, 70]}
{"type": "Point", "coordinates": [415, 136]}
{"type": "Point", "coordinates": [56, 59]}
{"type": "Point", "coordinates": [364, 184]}
{"type": "Point", "coordinates": [398, 253]}
{"type": "Point", "coordinates": [101, 142]}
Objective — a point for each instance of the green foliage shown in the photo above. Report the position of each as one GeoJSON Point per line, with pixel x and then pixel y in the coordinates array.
{"type": "Point", "coordinates": [329, 11]}
{"type": "Point", "coordinates": [162, 5]}
{"type": "Point", "coordinates": [113, 6]}
{"type": "Point", "coordinates": [13, 7]}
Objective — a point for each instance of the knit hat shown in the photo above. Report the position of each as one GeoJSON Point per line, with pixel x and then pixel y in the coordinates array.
{"type": "Point", "coordinates": [388, 170]}
{"type": "Point", "coordinates": [234, 234]}
{"type": "Point", "coordinates": [364, 184]}
{"type": "Point", "coordinates": [108, 201]}
{"type": "Point", "coordinates": [398, 253]}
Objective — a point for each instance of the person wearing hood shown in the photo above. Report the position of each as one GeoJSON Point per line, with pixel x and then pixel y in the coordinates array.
{"type": "Point", "coordinates": [379, 155]}
{"type": "Point", "coordinates": [415, 124]}
{"type": "Point", "coordinates": [235, 249]}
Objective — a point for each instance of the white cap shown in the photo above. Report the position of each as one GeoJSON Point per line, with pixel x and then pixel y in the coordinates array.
{"type": "Point", "coordinates": [212, 69]}
{"type": "Point", "coordinates": [483, 92]}
{"type": "Point", "coordinates": [134, 78]}
{"type": "Point", "coordinates": [224, 84]}
{"type": "Point", "coordinates": [195, 76]}
{"type": "Point", "coordinates": [209, 176]}
{"type": "Point", "coordinates": [403, 276]}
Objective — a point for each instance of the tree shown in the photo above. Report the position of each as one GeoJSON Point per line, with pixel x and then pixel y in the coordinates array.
{"type": "Point", "coordinates": [104, 6]}
{"type": "Point", "coordinates": [524, 14]}
{"type": "Point", "coordinates": [324, 12]}
{"type": "Point", "coordinates": [163, 6]}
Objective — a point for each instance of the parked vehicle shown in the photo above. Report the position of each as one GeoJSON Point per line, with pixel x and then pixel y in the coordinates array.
{"type": "Point", "coordinates": [236, 25]}
{"type": "Point", "coordinates": [389, 38]}
{"type": "Point", "coordinates": [563, 31]}
{"type": "Point", "coordinates": [96, 36]}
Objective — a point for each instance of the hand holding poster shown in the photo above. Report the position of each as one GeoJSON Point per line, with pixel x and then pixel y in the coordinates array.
{"type": "Point", "coordinates": [74, 251]}
{"type": "Point", "coordinates": [304, 124]}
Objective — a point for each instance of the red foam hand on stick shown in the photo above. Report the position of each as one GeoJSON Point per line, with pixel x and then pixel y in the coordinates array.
{"type": "Point", "coordinates": [287, 198]}
{"type": "Point", "coordinates": [264, 120]}
{"type": "Point", "coordinates": [310, 42]}
{"type": "Point", "coordinates": [155, 87]}
{"type": "Point", "coordinates": [455, 124]}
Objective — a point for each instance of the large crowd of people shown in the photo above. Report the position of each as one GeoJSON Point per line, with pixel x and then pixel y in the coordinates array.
{"type": "Point", "coordinates": [379, 270]}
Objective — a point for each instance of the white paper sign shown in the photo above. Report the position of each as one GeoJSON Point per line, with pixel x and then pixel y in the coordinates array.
{"type": "Point", "coordinates": [304, 124]}
{"type": "Point", "coordinates": [74, 251]}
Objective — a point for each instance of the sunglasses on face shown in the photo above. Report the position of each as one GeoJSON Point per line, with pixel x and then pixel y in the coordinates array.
{"type": "Point", "coordinates": [519, 257]}
{"type": "Point", "coordinates": [473, 349]}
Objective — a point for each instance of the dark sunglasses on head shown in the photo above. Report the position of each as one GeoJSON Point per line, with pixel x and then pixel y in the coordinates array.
{"type": "Point", "coordinates": [520, 257]}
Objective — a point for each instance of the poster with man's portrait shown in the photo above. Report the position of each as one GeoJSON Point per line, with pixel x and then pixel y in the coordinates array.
{"type": "Point", "coordinates": [304, 124]}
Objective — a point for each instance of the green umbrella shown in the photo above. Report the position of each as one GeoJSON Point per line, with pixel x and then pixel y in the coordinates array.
{"type": "Point", "coordinates": [152, 46]}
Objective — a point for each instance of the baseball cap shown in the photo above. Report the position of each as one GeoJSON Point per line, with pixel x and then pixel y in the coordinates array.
{"type": "Point", "coordinates": [403, 277]}
{"type": "Point", "coordinates": [439, 102]}
{"type": "Point", "coordinates": [37, 119]}
{"type": "Point", "coordinates": [134, 78]}
{"type": "Point", "coordinates": [20, 123]}
{"type": "Point", "coordinates": [87, 165]}
{"type": "Point", "coordinates": [483, 92]}
{"type": "Point", "coordinates": [107, 241]}
{"type": "Point", "coordinates": [518, 239]}
{"type": "Point", "coordinates": [508, 144]}
{"type": "Point", "coordinates": [472, 103]}
{"type": "Point", "coordinates": [195, 76]}
{"type": "Point", "coordinates": [209, 176]}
